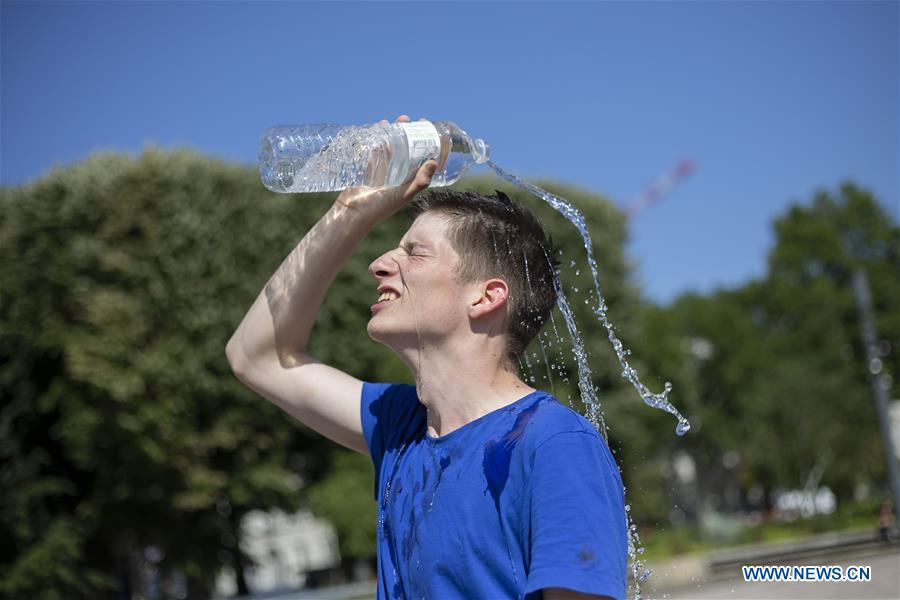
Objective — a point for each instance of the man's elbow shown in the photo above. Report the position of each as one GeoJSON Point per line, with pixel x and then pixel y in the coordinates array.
{"type": "Point", "coordinates": [241, 362]}
{"type": "Point", "coordinates": [236, 359]}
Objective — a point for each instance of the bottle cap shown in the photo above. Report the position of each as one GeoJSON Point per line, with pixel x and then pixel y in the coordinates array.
{"type": "Point", "coordinates": [481, 151]}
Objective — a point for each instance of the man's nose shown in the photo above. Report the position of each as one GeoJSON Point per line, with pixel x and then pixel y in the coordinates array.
{"type": "Point", "coordinates": [383, 266]}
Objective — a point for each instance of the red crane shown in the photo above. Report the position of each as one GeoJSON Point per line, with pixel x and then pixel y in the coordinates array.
{"type": "Point", "coordinates": [660, 187]}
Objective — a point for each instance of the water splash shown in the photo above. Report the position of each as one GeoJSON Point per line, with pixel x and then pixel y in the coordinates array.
{"type": "Point", "coordinates": [661, 400]}
{"type": "Point", "coordinates": [639, 573]}
{"type": "Point", "coordinates": [595, 415]}
{"type": "Point", "coordinates": [585, 383]}
{"type": "Point", "coordinates": [547, 364]}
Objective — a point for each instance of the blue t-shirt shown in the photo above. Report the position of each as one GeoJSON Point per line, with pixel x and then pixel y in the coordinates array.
{"type": "Point", "coordinates": [523, 498]}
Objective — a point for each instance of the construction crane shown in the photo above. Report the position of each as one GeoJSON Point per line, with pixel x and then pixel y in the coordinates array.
{"type": "Point", "coordinates": [660, 187]}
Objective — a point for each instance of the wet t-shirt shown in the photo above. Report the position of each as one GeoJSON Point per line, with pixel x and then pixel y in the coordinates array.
{"type": "Point", "coordinates": [523, 498]}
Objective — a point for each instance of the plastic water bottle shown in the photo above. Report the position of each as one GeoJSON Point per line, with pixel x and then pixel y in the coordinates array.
{"type": "Point", "coordinates": [326, 158]}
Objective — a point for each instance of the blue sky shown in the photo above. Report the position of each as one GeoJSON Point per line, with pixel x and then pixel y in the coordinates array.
{"type": "Point", "coordinates": [770, 100]}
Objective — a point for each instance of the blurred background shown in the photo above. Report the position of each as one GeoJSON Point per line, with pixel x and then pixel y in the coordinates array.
{"type": "Point", "coordinates": [739, 168]}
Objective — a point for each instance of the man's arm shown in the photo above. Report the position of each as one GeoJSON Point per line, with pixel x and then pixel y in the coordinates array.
{"type": "Point", "coordinates": [572, 549]}
{"type": "Point", "coordinates": [267, 352]}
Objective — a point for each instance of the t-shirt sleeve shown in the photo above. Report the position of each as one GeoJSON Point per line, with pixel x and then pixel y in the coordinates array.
{"type": "Point", "coordinates": [578, 524]}
{"type": "Point", "coordinates": [391, 414]}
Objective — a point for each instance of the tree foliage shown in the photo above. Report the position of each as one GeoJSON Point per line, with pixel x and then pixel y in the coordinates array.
{"type": "Point", "coordinates": [783, 381]}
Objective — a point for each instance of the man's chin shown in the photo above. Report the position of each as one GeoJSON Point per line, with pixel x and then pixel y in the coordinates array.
{"type": "Point", "coordinates": [377, 332]}
{"type": "Point", "coordinates": [389, 337]}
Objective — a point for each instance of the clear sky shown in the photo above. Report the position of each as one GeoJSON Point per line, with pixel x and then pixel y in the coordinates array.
{"type": "Point", "coordinates": [770, 100]}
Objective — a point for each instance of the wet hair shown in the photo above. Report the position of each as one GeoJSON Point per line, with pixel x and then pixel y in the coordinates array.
{"type": "Point", "coordinates": [497, 237]}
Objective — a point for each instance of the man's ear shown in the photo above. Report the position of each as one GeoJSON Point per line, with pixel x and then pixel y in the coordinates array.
{"type": "Point", "coordinates": [493, 297]}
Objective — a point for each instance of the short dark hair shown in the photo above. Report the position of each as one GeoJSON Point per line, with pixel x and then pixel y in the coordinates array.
{"type": "Point", "coordinates": [497, 237]}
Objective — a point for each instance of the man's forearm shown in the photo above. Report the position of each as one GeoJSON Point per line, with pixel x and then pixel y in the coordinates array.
{"type": "Point", "coordinates": [279, 323]}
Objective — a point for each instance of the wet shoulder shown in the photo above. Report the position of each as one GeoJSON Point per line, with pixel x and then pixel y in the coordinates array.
{"type": "Point", "coordinates": [550, 417]}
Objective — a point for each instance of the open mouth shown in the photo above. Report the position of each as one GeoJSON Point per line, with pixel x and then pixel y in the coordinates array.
{"type": "Point", "coordinates": [388, 296]}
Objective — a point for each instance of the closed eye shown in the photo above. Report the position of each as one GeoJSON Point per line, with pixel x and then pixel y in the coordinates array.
{"type": "Point", "coordinates": [410, 250]}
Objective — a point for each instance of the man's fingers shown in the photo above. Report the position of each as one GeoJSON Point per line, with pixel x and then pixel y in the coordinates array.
{"type": "Point", "coordinates": [422, 178]}
{"type": "Point", "coordinates": [401, 119]}
{"type": "Point", "coordinates": [418, 180]}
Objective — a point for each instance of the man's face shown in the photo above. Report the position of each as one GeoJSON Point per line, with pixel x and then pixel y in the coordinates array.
{"type": "Point", "coordinates": [431, 305]}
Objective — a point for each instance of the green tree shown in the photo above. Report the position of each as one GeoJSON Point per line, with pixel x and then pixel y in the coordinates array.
{"type": "Point", "coordinates": [341, 499]}
{"type": "Point", "coordinates": [816, 393]}
{"type": "Point", "coordinates": [780, 376]}
{"type": "Point", "coordinates": [122, 424]}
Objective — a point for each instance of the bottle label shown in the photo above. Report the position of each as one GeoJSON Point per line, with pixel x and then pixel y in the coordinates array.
{"type": "Point", "coordinates": [423, 140]}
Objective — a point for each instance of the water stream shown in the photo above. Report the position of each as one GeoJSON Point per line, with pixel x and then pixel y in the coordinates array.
{"type": "Point", "coordinates": [586, 387]}
{"type": "Point", "coordinates": [661, 400]}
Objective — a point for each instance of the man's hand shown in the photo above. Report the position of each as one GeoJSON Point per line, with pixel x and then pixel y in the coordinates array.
{"type": "Point", "coordinates": [377, 204]}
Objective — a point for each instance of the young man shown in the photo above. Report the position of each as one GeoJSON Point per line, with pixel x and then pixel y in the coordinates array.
{"type": "Point", "coordinates": [486, 487]}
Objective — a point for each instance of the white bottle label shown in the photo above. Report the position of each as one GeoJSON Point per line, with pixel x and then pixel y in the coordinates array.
{"type": "Point", "coordinates": [423, 140]}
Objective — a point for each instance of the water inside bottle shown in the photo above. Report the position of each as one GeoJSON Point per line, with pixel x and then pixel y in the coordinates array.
{"type": "Point", "coordinates": [353, 156]}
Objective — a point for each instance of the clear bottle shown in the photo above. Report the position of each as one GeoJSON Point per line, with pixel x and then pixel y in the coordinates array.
{"type": "Point", "coordinates": [326, 158]}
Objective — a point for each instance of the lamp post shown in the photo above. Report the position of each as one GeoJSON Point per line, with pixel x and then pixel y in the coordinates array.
{"type": "Point", "coordinates": [876, 378]}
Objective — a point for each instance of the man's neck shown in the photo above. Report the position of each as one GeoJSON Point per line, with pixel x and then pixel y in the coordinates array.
{"type": "Point", "coordinates": [457, 388]}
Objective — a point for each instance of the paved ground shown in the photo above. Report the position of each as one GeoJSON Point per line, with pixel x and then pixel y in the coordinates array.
{"type": "Point", "coordinates": [885, 584]}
